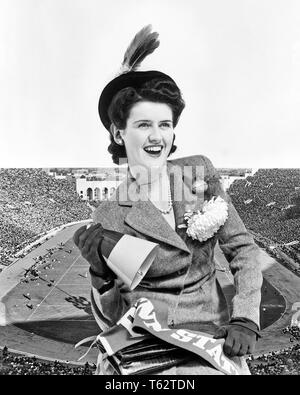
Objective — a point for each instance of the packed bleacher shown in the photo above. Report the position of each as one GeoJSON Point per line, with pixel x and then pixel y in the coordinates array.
{"type": "Point", "coordinates": [281, 362]}
{"type": "Point", "coordinates": [284, 362]}
{"type": "Point", "coordinates": [268, 204]}
{"type": "Point", "coordinates": [32, 203]}
{"type": "Point", "coordinates": [15, 364]}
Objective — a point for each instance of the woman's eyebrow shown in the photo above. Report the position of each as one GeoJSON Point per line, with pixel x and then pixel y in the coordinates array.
{"type": "Point", "coordinates": [142, 120]}
{"type": "Point", "coordinates": [148, 120]}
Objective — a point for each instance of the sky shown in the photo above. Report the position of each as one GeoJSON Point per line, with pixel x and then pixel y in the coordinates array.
{"type": "Point", "coordinates": [237, 63]}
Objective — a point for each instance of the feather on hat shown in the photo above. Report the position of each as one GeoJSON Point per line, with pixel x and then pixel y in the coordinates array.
{"type": "Point", "coordinates": [142, 45]}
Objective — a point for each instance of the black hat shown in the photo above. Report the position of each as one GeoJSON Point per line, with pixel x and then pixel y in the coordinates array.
{"type": "Point", "coordinates": [142, 45]}
{"type": "Point", "coordinates": [134, 79]}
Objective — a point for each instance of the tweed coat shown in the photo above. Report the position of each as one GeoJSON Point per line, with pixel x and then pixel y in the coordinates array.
{"type": "Point", "coordinates": [184, 272]}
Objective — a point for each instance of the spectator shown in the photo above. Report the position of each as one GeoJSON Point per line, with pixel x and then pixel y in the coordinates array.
{"type": "Point", "coordinates": [12, 364]}
{"type": "Point", "coordinates": [268, 204]}
{"type": "Point", "coordinates": [32, 202]}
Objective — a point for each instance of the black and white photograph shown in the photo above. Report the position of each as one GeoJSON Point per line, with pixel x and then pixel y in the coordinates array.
{"type": "Point", "coordinates": [149, 190]}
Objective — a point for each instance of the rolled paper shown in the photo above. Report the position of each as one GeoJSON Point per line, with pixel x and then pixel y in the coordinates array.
{"type": "Point", "coordinates": [127, 256]}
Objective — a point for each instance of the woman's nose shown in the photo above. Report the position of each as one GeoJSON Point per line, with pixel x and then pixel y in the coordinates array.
{"type": "Point", "coordinates": [155, 134]}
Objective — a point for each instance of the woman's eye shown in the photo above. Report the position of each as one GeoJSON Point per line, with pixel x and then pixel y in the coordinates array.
{"type": "Point", "coordinates": [165, 125]}
{"type": "Point", "coordinates": [144, 125]}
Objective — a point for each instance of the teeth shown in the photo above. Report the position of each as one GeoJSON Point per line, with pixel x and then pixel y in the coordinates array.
{"type": "Point", "coordinates": [153, 149]}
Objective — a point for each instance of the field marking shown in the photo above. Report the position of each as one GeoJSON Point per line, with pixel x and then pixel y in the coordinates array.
{"type": "Point", "coordinates": [54, 287]}
{"type": "Point", "coordinates": [86, 266]}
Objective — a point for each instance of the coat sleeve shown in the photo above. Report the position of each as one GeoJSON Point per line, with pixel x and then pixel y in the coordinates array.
{"type": "Point", "coordinates": [108, 306]}
{"type": "Point", "coordinates": [245, 259]}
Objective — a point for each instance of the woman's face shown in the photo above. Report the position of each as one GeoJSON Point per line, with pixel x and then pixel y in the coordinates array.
{"type": "Point", "coordinates": [148, 135]}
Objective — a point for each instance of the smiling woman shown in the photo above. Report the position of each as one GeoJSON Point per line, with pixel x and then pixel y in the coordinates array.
{"type": "Point", "coordinates": [141, 109]}
{"type": "Point", "coordinates": [122, 111]}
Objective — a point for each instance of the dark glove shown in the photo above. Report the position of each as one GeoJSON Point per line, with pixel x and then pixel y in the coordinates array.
{"type": "Point", "coordinates": [88, 242]}
{"type": "Point", "coordinates": [240, 337]}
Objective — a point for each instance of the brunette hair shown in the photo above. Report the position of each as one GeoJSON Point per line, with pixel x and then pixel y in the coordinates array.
{"type": "Point", "coordinates": [157, 91]}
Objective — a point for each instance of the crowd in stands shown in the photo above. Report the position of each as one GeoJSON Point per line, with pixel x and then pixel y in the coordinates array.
{"type": "Point", "coordinates": [13, 364]}
{"type": "Point", "coordinates": [32, 203]}
{"type": "Point", "coordinates": [293, 331]}
{"type": "Point", "coordinates": [283, 362]}
{"type": "Point", "coordinates": [265, 202]}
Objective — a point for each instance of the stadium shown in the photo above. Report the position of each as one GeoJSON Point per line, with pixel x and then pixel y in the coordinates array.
{"type": "Point", "coordinates": [45, 304]}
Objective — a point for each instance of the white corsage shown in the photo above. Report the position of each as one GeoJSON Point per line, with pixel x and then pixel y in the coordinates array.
{"type": "Point", "coordinates": [202, 225]}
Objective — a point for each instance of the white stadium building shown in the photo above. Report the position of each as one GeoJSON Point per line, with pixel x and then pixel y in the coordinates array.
{"type": "Point", "coordinates": [97, 187]}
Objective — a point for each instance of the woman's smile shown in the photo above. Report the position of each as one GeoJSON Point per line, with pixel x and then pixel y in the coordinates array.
{"type": "Point", "coordinates": [154, 150]}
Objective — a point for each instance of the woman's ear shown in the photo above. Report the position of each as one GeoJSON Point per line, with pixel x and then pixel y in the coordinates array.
{"type": "Point", "coordinates": [116, 133]}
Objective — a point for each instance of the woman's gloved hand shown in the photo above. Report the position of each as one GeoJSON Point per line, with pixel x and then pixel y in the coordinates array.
{"type": "Point", "coordinates": [239, 339]}
{"type": "Point", "coordinates": [88, 240]}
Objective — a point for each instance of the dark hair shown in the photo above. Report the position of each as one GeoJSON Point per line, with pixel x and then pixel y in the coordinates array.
{"type": "Point", "coordinates": [157, 91]}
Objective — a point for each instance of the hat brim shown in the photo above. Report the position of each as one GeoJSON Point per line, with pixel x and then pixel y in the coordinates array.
{"type": "Point", "coordinates": [134, 79]}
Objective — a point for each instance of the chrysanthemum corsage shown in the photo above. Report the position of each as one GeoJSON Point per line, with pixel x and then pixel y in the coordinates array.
{"type": "Point", "coordinates": [202, 225]}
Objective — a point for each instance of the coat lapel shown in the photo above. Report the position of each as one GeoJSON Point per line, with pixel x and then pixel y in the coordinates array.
{"type": "Point", "coordinates": [146, 219]}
